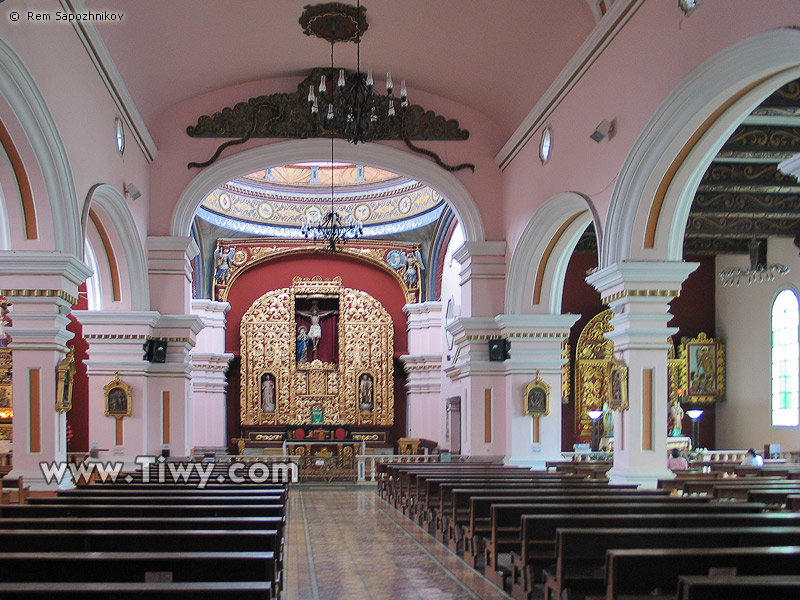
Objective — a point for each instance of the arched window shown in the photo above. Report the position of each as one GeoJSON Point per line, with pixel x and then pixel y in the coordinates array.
{"type": "Point", "coordinates": [785, 359]}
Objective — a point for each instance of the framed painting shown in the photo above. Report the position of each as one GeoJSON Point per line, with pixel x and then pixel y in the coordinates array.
{"type": "Point", "coordinates": [617, 385]}
{"type": "Point", "coordinates": [65, 375]}
{"type": "Point", "coordinates": [703, 363]}
{"type": "Point", "coordinates": [118, 398]}
{"type": "Point", "coordinates": [536, 399]}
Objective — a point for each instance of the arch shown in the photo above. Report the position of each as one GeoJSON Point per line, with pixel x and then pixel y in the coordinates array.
{"type": "Point", "coordinates": [377, 155]}
{"type": "Point", "coordinates": [539, 262]}
{"type": "Point", "coordinates": [655, 189]}
{"type": "Point", "coordinates": [112, 202]}
{"type": "Point", "coordinates": [19, 89]}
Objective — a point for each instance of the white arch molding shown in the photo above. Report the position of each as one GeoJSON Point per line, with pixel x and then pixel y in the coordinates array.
{"type": "Point", "coordinates": [19, 89]}
{"type": "Point", "coordinates": [112, 202]}
{"type": "Point", "coordinates": [534, 242]}
{"type": "Point", "coordinates": [282, 153]}
{"type": "Point", "coordinates": [749, 71]}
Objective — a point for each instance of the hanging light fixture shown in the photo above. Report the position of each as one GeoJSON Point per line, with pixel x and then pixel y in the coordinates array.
{"type": "Point", "coordinates": [332, 229]}
{"type": "Point", "coordinates": [350, 107]}
{"type": "Point", "coordinates": [759, 270]}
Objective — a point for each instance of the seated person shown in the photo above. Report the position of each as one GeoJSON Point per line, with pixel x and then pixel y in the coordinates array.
{"type": "Point", "coordinates": [676, 461]}
{"type": "Point", "coordinates": [751, 459]}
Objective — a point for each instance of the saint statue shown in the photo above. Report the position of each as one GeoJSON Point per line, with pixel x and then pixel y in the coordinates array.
{"type": "Point", "coordinates": [608, 421]}
{"type": "Point", "coordinates": [302, 345]}
{"type": "Point", "coordinates": [365, 401]}
{"type": "Point", "coordinates": [3, 324]}
{"type": "Point", "coordinates": [267, 393]}
{"type": "Point", "coordinates": [675, 418]}
{"type": "Point", "coordinates": [315, 331]}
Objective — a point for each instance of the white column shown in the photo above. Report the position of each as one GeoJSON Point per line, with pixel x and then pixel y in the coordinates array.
{"type": "Point", "coordinates": [639, 294]}
{"type": "Point", "coordinates": [536, 347]}
{"type": "Point", "coordinates": [115, 341]}
{"type": "Point", "coordinates": [209, 383]}
{"type": "Point", "coordinates": [483, 267]}
{"type": "Point", "coordinates": [41, 288]}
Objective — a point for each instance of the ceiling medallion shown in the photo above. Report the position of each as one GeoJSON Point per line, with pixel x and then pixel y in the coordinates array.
{"type": "Point", "coordinates": [334, 21]}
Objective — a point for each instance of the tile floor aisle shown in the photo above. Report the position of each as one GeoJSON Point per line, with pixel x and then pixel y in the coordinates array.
{"type": "Point", "coordinates": [348, 544]}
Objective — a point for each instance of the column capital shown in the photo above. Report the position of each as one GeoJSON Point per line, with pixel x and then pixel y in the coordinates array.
{"type": "Point", "coordinates": [649, 281]}
{"type": "Point", "coordinates": [481, 260]}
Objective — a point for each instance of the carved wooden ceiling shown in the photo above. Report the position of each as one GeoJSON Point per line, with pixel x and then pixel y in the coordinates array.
{"type": "Point", "coordinates": [742, 194]}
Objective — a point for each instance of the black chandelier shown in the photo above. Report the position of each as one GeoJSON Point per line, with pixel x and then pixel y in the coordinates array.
{"type": "Point", "coordinates": [350, 105]}
{"type": "Point", "coordinates": [332, 229]}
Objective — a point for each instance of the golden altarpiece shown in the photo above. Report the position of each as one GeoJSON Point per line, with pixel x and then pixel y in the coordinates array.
{"type": "Point", "coordinates": [696, 376]}
{"type": "Point", "coordinates": [282, 388]}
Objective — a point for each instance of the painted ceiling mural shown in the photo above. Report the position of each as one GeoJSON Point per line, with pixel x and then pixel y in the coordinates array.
{"type": "Point", "coordinates": [277, 200]}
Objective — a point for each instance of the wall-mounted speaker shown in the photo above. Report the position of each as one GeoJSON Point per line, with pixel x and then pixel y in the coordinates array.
{"type": "Point", "coordinates": [155, 351]}
{"type": "Point", "coordinates": [499, 349]}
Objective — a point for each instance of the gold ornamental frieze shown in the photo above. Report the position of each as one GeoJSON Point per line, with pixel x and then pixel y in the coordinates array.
{"type": "Point", "coordinates": [401, 260]}
{"type": "Point", "coordinates": [281, 387]}
{"type": "Point", "coordinates": [593, 357]}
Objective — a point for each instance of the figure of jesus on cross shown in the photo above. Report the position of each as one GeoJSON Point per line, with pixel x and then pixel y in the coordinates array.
{"type": "Point", "coordinates": [315, 330]}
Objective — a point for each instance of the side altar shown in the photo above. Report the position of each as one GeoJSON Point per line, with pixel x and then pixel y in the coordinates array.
{"type": "Point", "coordinates": [316, 354]}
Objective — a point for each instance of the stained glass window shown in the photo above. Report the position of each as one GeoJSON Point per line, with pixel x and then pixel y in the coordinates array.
{"type": "Point", "coordinates": [785, 359]}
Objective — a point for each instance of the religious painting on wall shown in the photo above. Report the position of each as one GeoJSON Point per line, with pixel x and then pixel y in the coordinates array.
{"type": "Point", "coordinates": [537, 398]}
{"type": "Point", "coordinates": [618, 385]}
{"type": "Point", "coordinates": [703, 379]}
{"type": "Point", "coordinates": [118, 398]}
{"type": "Point", "coordinates": [65, 374]}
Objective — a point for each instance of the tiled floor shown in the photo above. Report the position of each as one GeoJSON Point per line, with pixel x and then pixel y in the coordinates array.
{"type": "Point", "coordinates": [348, 544]}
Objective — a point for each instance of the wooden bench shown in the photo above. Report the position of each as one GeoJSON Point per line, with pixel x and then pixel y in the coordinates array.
{"type": "Point", "coordinates": [739, 587]}
{"type": "Point", "coordinates": [13, 489]}
{"type": "Point", "coordinates": [655, 572]}
{"type": "Point", "coordinates": [152, 510]}
{"type": "Point", "coordinates": [461, 512]}
{"type": "Point", "coordinates": [739, 492]}
{"type": "Point", "coordinates": [536, 550]}
{"type": "Point", "coordinates": [707, 486]}
{"type": "Point", "coordinates": [227, 590]}
{"type": "Point", "coordinates": [581, 553]}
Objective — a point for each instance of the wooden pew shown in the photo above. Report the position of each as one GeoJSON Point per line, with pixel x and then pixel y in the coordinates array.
{"type": "Point", "coordinates": [459, 513]}
{"type": "Point", "coordinates": [213, 590]}
{"type": "Point", "coordinates": [739, 587]}
{"type": "Point", "coordinates": [151, 510]}
{"type": "Point", "coordinates": [655, 572]}
{"type": "Point", "coordinates": [739, 492]}
{"type": "Point", "coordinates": [536, 550]}
{"type": "Point", "coordinates": [11, 487]}
{"type": "Point", "coordinates": [581, 553]}
{"type": "Point", "coordinates": [707, 486]}
{"type": "Point", "coordinates": [131, 567]}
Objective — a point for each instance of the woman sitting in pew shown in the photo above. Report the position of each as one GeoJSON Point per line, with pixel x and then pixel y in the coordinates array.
{"type": "Point", "coordinates": [751, 459]}
{"type": "Point", "coordinates": [676, 461]}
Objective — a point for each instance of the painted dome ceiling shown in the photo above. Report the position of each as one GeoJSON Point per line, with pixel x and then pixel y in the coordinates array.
{"type": "Point", "coordinates": [276, 201]}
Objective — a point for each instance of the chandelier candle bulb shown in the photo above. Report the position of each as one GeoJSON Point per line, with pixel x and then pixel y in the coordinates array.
{"type": "Point", "coordinates": [312, 98]}
{"type": "Point", "coordinates": [389, 84]}
{"type": "Point", "coordinates": [323, 85]}
{"type": "Point", "coordinates": [341, 78]}
{"type": "Point", "coordinates": [403, 91]}
{"type": "Point", "coordinates": [370, 80]}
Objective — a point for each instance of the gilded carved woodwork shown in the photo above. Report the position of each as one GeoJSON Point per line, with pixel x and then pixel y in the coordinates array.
{"type": "Point", "coordinates": [6, 403]}
{"type": "Point", "coordinates": [593, 357]}
{"type": "Point", "coordinates": [236, 256]}
{"type": "Point", "coordinates": [366, 344]}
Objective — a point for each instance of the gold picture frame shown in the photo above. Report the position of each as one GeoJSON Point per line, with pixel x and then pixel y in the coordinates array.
{"type": "Point", "coordinates": [617, 385]}
{"type": "Point", "coordinates": [536, 400]}
{"type": "Point", "coordinates": [118, 398]}
{"type": "Point", "coordinates": [65, 376]}
{"type": "Point", "coordinates": [703, 370]}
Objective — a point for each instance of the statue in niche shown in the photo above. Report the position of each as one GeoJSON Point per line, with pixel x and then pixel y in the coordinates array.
{"type": "Point", "coordinates": [675, 418]}
{"type": "Point", "coordinates": [315, 315]}
{"type": "Point", "coordinates": [365, 399]}
{"type": "Point", "coordinates": [302, 345]}
{"type": "Point", "coordinates": [224, 262]}
{"type": "Point", "coordinates": [316, 414]}
{"type": "Point", "coordinates": [413, 269]}
{"type": "Point", "coordinates": [267, 393]}
{"type": "Point", "coordinates": [608, 420]}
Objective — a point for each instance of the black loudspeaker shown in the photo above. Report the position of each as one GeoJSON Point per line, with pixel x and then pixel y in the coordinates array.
{"type": "Point", "coordinates": [499, 349]}
{"type": "Point", "coordinates": [155, 351]}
